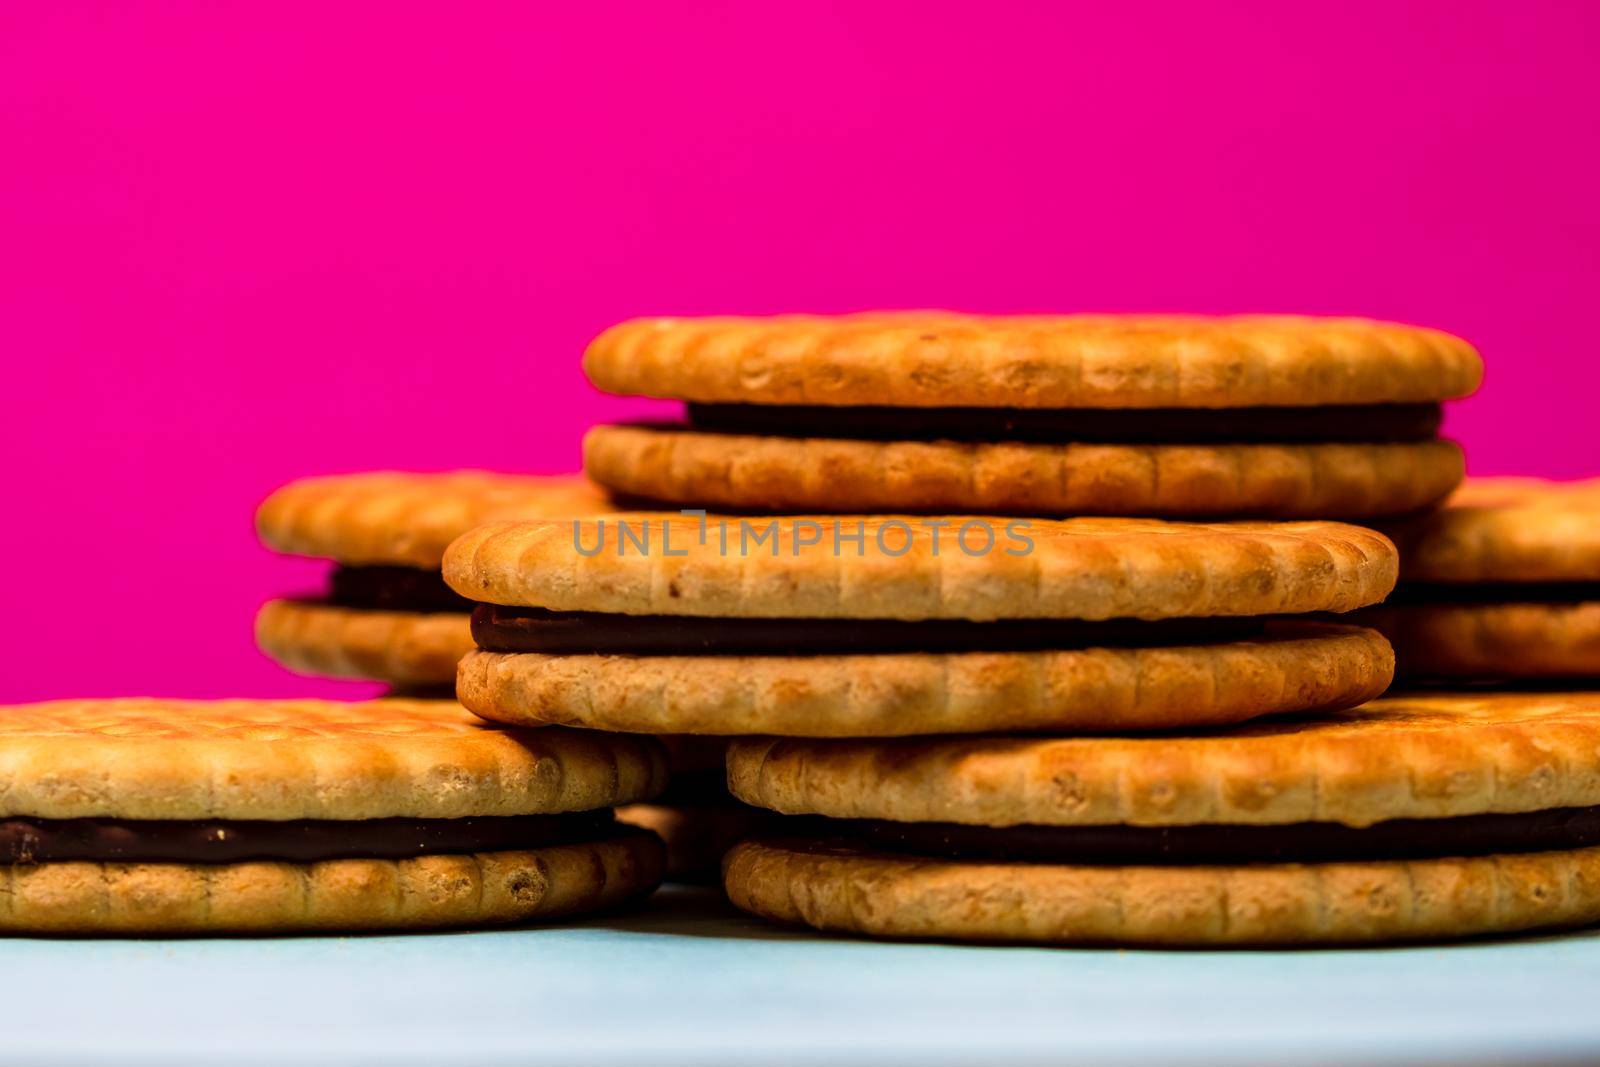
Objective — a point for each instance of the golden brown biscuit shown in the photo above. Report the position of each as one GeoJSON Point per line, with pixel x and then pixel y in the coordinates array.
{"type": "Point", "coordinates": [680, 666]}
{"type": "Point", "coordinates": [896, 896]}
{"type": "Point", "coordinates": [1423, 756]}
{"type": "Point", "coordinates": [1408, 818]}
{"type": "Point", "coordinates": [404, 519]}
{"type": "Point", "coordinates": [172, 816]}
{"type": "Point", "coordinates": [1493, 640]}
{"type": "Point", "coordinates": [151, 758]}
{"type": "Point", "coordinates": [1503, 582]}
{"type": "Point", "coordinates": [344, 894]}
{"type": "Point", "coordinates": [1294, 667]}
{"type": "Point", "coordinates": [940, 412]}
{"type": "Point", "coordinates": [389, 530]}
{"type": "Point", "coordinates": [1293, 480]}
{"type": "Point", "coordinates": [943, 359]}
{"type": "Point", "coordinates": [403, 648]}
{"type": "Point", "coordinates": [1507, 530]}
{"type": "Point", "coordinates": [914, 568]}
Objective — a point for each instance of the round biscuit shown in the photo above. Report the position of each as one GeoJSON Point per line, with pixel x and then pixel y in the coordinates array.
{"type": "Point", "coordinates": [1489, 641]}
{"type": "Point", "coordinates": [427, 892]}
{"type": "Point", "coordinates": [1507, 530]}
{"type": "Point", "coordinates": [1293, 667]}
{"type": "Point", "coordinates": [748, 472]}
{"type": "Point", "coordinates": [1411, 756]}
{"type": "Point", "coordinates": [917, 568]}
{"type": "Point", "coordinates": [881, 895]}
{"type": "Point", "coordinates": [397, 518]}
{"type": "Point", "coordinates": [404, 648]}
{"type": "Point", "coordinates": [948, 359]}
{"type": "Point", "coordinates": [154, 758]}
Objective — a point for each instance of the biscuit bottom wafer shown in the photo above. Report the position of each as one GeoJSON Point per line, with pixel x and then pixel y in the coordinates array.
{"type": "Point", "coordinates": [404, 648]}
{"type": "Point", "coordinates": [350, 894]}
{"type": "Point", "coordinates": [885, 895]}
{"type": "Point", "coordinates": [1518, 639]}
{"type": "Point", "coordinates": [1291, 667]}
{"type": "Point", "coordinates": [1293, 480]}
{"type": "Point", "coordinates": [1503, 582]}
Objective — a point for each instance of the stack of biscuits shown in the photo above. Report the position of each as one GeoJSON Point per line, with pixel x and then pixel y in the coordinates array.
{"type": "Point", "coordinates": [1049, 629]}
{"type": "Point", "coordinates": [1025, 629]}
{"type": "Point", "coordinates": [387, 615]}
{"type": "Point", "coordinates": [161, 816]}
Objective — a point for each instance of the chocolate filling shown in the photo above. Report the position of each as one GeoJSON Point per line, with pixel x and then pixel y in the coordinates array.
{"type": "Point", "coordinates": [27, 840]}
{"type": "Point", "coordinates": [1371, 422]}
{"type": "Point", "coordinates": [1495, 593]}
{"type": "Point", "coordinates": [393, 589]}
{"type": "Point", "coordinates": [497, 628]}
{"type": "Point", "coordinates": [1467, 835]}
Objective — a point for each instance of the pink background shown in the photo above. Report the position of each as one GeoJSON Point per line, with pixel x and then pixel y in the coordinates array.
{"type": "Point", "coordinates": [245, 242]}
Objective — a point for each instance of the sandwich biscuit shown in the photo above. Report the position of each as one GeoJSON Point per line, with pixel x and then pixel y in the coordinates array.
{"type": "Point", "coordinates": [387, 614]}
{"type": "Point", "coordinates": [1502, 583]}
{"type": "Point", "coordinates": [878, 626]}
{"type": "Point", "coordinates": [152, 816]}
{"type": "Point", "coordinates": [1416, 817]}
{"type": "Point", "coordinates": [1264, 416]}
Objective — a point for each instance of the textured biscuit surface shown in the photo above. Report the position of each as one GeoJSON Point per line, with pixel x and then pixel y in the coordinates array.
{"type": "Point", "coordinates": [946, 359]}
{"type": "Point", "coordinates": [1488, 641]}
{"type": "Point", "coordinates": [822, 474]}
{"type": "Point", "coordinates": [1292, 668]}
{"type": "Point", "coordinates": [901, 896]}
{"type": "Point", "coordinates": [357, 894]}
{"type": "Point", "coordinates": [915, 568]}
{"type": "Point", "coordinates": [403, 519]}
{"type": "Point", "coordinates": [404, 648]}
{"type": "Point", "coordinates": [1413, 756]}
{"type": "Point", "coordinates": [151, 758]}
{"type": "Point", "coordinates": [1507, 530]}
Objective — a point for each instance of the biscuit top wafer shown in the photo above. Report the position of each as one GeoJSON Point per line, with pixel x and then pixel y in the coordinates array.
{"type": "Point", "coordinates": [1414, 756]}
{"type": "Point", "coordinates": [149, 758]}
{"type": "Point", "coordinates": [916, 568]}
{"type": "Point", "coordinates": [1507, 530]}
{"type": "Point", "coordinates": [403, 519]}
{"type": "Point", "coordinates": [944, 359]}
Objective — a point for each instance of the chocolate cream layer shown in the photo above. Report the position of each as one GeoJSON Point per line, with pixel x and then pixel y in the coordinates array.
{"type": "Point", "coordinates": [1495, 593]}
{"type": "Point", "coordinates": [28, 840]}
{"type": "Point", "coordinates": [1371, 423]}
{"type": "Point", "coordinates": [497, 628]}
{"type": "Point", "coordinates": [1312, 842]}
{"type": "Point", "coordinates": [393, 589]}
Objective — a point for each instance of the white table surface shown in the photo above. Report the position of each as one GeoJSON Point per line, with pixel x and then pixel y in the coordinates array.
{"type": "Point", "coordinates": [687, 981]}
